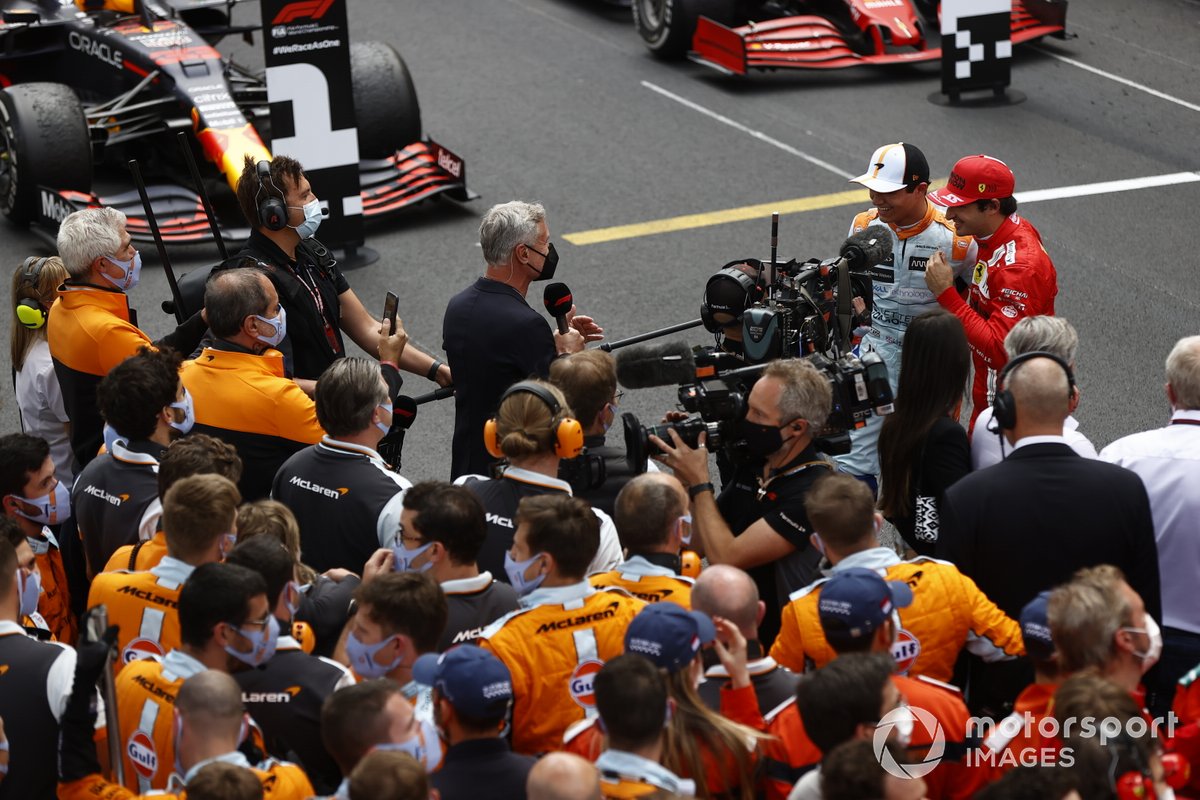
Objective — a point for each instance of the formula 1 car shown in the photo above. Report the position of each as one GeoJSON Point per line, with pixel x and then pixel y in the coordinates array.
{"type": "Point", "coordinates": [735, 36]}
{"type": "Point", "coordinates": [100, 82]}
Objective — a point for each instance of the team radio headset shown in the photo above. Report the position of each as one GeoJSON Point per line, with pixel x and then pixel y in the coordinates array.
{"type": "Point", "coordinates": [30, 312]}
{"type": "Point", "coordinates": [567, 432]}
{"type": "Point", "coordinates": [272, 215]}
{"type": "Point", "coordinates": [1004, 407]}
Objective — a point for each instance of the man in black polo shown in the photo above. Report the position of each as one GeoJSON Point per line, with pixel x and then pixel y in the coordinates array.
{"type": "Point", "coordinates": [345, 498]}
{"type": "Point", "coordinates": [472, 694]}
{"type": "Point", "coordinates": [285, 694]}
{"type": "Point", "coordinates": [492, 337]}
{"type": "Point", "coordinates": [759, 523]}
{"type": "Point", "coordinates": [278, 202]}
{"type": "Point", "coordinates": [442, 530]}
{"type": "Point", "coordinates": [145, 402]}
{"type": "Point", "coordinates": [34, 687]}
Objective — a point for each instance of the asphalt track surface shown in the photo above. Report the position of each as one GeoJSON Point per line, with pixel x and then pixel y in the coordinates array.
{"type": "Point", "coordinates": [557, 101]}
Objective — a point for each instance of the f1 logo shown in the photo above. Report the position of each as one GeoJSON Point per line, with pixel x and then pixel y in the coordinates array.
{"type": "Point", "coordinates": [313, 9]}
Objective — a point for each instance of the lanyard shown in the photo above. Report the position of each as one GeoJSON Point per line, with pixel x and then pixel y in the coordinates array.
{"type": "Point", "coordinates": [764, 485]}
{"type": "Point", "coordinates": [1185, 422]}
{"type": "Point", "coordinates": [315, 291]}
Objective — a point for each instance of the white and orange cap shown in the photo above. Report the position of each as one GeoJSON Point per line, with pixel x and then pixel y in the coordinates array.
{"type": "Point", "coordinates": [894, 167]}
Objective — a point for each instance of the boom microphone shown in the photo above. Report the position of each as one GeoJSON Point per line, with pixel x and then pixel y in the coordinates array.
{"type": "Point", "coordinates": [557, 299]}
{"type": "Point", "coordinates": [870, 246]}
{"type": "Point", "coordinates": [647, 365]}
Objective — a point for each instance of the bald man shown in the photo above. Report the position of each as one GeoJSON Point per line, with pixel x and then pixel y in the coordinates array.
{"type": "Point", "coordinates": [653, 524]}
{"type": "Point", "coordinates": [728, 592]}
{"type": "Point", "coordinates": [563, 776]}
{"type": "Point", "coordinates": [210, 728]}
{"type": "Point", "coordinates": [1029, 522]}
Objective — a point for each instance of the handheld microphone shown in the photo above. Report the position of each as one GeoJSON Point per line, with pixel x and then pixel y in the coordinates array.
{"type": "Point", "coordinates": [558, 300]}
{"type": "Point", "coordinates": [645, 366]}
{"type": "Point", "coordinates": [870, 246]}
{"type": "Point", "coordinates": [404, 412]}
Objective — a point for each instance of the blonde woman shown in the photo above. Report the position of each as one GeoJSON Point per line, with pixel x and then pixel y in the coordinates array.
{"type": "Point", "coordinates": [39, 398]}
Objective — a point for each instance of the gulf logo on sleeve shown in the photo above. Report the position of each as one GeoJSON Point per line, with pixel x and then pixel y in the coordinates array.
{"type": "Point", "coordinates": [905, 651]}
{"type": "Point", "coordinates": [141, 649]}
{"type": "Point", "coordinates": [581, 684]}
{"type": "Point", "coordinates": [141, 752]}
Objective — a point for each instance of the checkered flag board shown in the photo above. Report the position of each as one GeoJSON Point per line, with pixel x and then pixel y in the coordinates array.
{"type": "Point", "coordinates": [976, 45]}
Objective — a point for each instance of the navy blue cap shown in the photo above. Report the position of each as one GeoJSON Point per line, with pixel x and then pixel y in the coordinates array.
{"type": "Point", "coordinates": [856, 601]}
{"type": "Point", "coordinates": [669, 635]}
{"type": "Point", "coordinates": [475, 682]}
{"type": "Point", "coordinates": [1035, 628]}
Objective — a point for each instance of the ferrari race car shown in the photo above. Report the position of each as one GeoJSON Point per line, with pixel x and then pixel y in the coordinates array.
{"type": "Point", "coordinates": [735, 36]}
{"type": "Point", "coordinates": [86, 90]}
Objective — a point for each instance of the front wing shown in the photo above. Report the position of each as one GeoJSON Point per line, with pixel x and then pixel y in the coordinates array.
{"type": "Point", "coordinates": [419, 172]}
{"type": "Point", "coordinates": [813, 42]}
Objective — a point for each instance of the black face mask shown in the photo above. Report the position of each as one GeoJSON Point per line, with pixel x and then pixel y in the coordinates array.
{"type": "Point", "coordinates": [763, 440]}
{"type": "Point", "coordinates": [550, 264]}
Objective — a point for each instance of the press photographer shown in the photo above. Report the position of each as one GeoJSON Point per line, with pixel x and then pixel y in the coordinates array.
{"type": "Point", "coordinates": [758, 523]}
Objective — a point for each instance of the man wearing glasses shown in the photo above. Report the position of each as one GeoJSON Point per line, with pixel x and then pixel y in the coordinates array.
{"type": "Point", "coordinates": [492, 337]}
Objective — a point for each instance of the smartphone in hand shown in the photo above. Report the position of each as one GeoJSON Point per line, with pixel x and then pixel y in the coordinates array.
{"type": "Point", "coordinates": [390, 305]}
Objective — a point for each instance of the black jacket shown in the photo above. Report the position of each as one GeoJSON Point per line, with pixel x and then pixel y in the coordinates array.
{"type": "Point", "coordinates": [492, 339]}
{"type": "Point", "coordinates": [1029, 522]}
{"type": "Point", "coordinates": [479, 769]}
{"type": "Point", "coordinates": [944, 458]}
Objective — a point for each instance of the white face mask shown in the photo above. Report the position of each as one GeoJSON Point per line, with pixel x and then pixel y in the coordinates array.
{"type": "Point", "coordinates": [1154, 651]}
{"type": "Point", "coordinates": [684, 524]}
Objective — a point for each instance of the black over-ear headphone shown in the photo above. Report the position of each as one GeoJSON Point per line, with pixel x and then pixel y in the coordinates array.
{"type": "Point", "coordinates": [1004, 408]}
{"type": "Point", "coordinates": [30, 312]}
{"type": "Point", "coordinates": [272, 213]}
{"type": "Point", "coordinates": [567, 433]}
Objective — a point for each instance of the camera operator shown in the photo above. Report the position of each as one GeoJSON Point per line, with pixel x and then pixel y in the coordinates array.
{"type": "Point", "coordinates": [759, 523]}
{"type": "Point", "coordinates": [588, 381]}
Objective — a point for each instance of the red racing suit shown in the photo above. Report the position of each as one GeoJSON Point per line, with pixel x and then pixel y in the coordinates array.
{"type": "Point", "coordinates": [1013, 278]}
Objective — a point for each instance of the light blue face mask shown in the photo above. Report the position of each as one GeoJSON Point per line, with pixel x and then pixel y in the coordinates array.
{"type": "Point", "coordinates": [189, 413]}
{"type": "Point", "coordinates": [403, 557]}
{"type": "Point", "coordinates": [312, 219]}
{"type": "Point", "coordinates": [425, 747]}
{"type": "Point", "coordinates": [362, 657]}
{"type": "Point", "coordinates": [280, 325]}
{"type": "Point", "coordinates": [264, 643]}
{"type": "Point", "coordinates": [516, 574]}
{"type": "Point", "coordinates": [131, 272]}
{"type": "Point", "coordinates": [385, 426]}
{"type": "Point", "coordinates": [52, 508]}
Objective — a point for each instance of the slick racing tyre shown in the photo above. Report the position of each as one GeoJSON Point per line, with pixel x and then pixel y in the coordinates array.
{"type": "Point", "coordinates": [385, 100]}
{"type": "Point", "coordinates": [43, 142]}
{"type": "Point", "coordinates": [666, 26]}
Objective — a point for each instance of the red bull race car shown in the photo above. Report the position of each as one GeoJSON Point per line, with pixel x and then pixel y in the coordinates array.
{"type": "Point", "coordinates": [736, 36]}
{"type": "Point", "coordinates": [92, 84]}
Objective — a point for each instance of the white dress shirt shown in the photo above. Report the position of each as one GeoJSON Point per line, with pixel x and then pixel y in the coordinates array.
{"type": "Point", "coordinates": [985, 445]}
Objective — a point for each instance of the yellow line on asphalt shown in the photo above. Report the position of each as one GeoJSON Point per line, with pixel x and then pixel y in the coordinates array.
{"type": "Point", "coordinates": [689, 221]}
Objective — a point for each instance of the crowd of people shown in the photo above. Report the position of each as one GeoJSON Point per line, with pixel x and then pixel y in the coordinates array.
{"type": "Point", "coordinates": [215, 584]}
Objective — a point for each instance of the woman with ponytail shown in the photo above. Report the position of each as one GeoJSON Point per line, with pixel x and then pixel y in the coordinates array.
{"type": "Point", "coordinates": [39, 399]}
{"type": "Point", "coordinates": [532, 431]}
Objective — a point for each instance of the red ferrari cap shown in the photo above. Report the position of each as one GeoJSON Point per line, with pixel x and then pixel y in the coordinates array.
{"type": "Point", "coordinates": [975, 178]}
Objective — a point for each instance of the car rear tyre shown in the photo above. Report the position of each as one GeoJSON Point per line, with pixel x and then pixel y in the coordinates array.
{"type": "Point", "coordinates": [385, 100]}
{"type": "Point", "coordinates": [43, 141]}
{"type": "Point", "coordinates": [666, 26]}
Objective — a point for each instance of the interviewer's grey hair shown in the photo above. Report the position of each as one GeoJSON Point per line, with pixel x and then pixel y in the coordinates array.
{"type": "Point", "coordinates": [1183, 372]}
{"type": "Point", "coordinates": [806, 393]}
{"type": "Point", "coordinates": [86, 235]}
{"type": "Point", "coordinates": [507, 225]}
{"type": "Point", "coordinates": [1048, 334]}
{"type": "Point", "coordinates": [347, 395]}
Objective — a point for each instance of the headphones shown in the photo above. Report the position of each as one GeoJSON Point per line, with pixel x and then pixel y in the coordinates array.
{"type": "Point", "coordinates": [727, 281]}
{"type": "Point", "coordinates": [30, 312]}
{"type": "Point", "coordinates": [272, 214]}
{"type": "Point", "coordinates": [568, 433]}
{"type": "Point", "coordinates": [1004, 408]}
